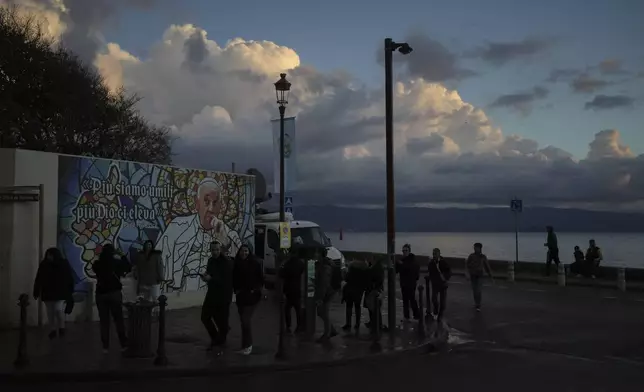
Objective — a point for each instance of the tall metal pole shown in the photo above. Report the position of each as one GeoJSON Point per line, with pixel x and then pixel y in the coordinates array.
{"type": "Point", "coordinates": [280, 346]}
{"type": "Point", "coordinates": [391, 205]}
{"type": "Point", "coordinates": [516, 237]}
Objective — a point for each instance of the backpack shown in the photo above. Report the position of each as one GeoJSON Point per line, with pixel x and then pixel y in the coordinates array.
{"type": "Point", "coordinates": [336, 277]}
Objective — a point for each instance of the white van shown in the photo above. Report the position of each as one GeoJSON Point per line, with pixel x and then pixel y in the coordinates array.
{"type": "Point", "coordinates": [267, 241]}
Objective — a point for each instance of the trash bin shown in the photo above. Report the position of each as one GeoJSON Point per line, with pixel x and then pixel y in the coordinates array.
{"type": "Point", "coordinates": [139, 329]}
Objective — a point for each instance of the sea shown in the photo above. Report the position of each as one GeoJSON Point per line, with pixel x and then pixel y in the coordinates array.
{"type": "Point", "coordinates": [619, 250]}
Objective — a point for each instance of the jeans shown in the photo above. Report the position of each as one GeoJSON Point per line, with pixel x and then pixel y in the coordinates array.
{"type": "Point", "coordinates": [55, 314]}
{"type": "Point", "coordinates": [215, 317]}
{"type": "Point", "coordinates": [476, 280]}
{"type": "Point", "coordinates": [553, 255]}
{"type": "Point", "coordinates": [351, 304]}
{"type": "Point", "coordinates": [294, 302]}
{"type": "Point", "coordinates": [409, 300]}
{"type": "Point", "coordinates": [245, 318]}
{"type": "Point", "coordinates": [111, 304]}
{"type": "Point", "coordinates": [439, 299]}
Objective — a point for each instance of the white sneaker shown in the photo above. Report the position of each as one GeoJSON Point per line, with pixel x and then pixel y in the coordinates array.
{"type": "Point", "coordinates": [246, 351]}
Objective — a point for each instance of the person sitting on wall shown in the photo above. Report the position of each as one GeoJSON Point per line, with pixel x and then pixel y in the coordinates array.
{"type": "Point", "coordinates": [593, 258]}
{"type": "Point", "coordinates": [578, 266]}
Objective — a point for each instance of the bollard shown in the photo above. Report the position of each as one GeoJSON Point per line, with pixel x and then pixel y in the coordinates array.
{"type": "Point", "coordinates": [376, 324]}
{"type": "Point", "coordinates": [421, 320]}
{"type": "Point", "coordinates": [427, 299]}
{"type": "Point", "coordinates": [510, 271]}
{"type": "Point", "coordinates": [621, 279]}
{"type": "Point", "coordinates": [561, 275]}
{"type": "Point", "coordinates": [161, 359]}
{"type": "Point", "coordinates": [21, 358]}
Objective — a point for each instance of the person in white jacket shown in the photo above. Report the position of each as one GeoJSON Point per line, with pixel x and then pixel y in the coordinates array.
{"type": "Point", "coordinates": [185, 242]}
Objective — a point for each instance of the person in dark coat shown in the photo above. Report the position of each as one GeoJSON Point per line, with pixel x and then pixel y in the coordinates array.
{"type": "Point", "coordinates": [553, 249]}
{"type": "Point", "coordinates": [109, 269]}
{"type": "Point", "coordinates": [248, 280]}
{"type": "Point", "coordinates": [216, 305]}
{"type": "Point", "coordinates": [353, 291]}
{"type": "Point", "coordinates": [54, 285]}
{"type": "Point", "coordinates": [439, 274]}
{"type": "Point", "coordinates": [408, 269]}
{"type": "Point", "coordinates": [324, 292]}
{"type": "Point", "coordinates": [578, 266]}
{"type": "Point", "coordinates": [291, 273]}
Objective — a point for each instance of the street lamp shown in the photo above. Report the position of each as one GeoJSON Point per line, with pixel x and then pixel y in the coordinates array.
{"type": "Point", "coordinates": [403, 48]}
{"type": "Point", "coordinates": [282, 89]}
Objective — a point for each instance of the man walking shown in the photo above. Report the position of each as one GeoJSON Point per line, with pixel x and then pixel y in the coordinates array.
{"type": "Point", "coordinates": [324, 292]}
{"type": "Point", "coordinates": [475, 266]}
{"type": "Point", "coordinates": [409, 271]}
{"type": "Point", "coordinates": [553, 249]}
{"type": "Point", "coordinates": [439, 274]}
{"type": "Point", "coordinates": [216, 305]}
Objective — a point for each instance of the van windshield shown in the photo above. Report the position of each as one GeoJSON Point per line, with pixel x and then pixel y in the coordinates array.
{"type": "Point", "coordinates": [309, 236]}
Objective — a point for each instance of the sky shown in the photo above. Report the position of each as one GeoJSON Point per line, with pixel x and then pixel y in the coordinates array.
{"type": "Point", "coordinates": [542, 99]}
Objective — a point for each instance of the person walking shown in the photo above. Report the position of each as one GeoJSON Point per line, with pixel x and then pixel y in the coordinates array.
{"type": "Point", "coordinates": [553, 249]}
{"type": "Point", "coordinates": [408, 269]}
{"type": "Point", "coordinates": [109, 269]}
{"type": "Point", "coordinates": [248, 280]}
{"type": "Point", "coordinates": [439, 273]}
{"type": "Point", "coordinates": [148, 272]}
{"type": "Point", "coordinates": [353, 291]}
{"type": "Point", "coordinates": [324, 292]}
{"type": "Point", "coordinates": [291, 273]}
{"type": "Point", "coordinates": [54, 285]}
{"type": "Point", "coordinates": [475, 267]}
{"type": "Point", "coordinates": [215, 310]}
{"type": "Point", "coordinates": [372, 298]}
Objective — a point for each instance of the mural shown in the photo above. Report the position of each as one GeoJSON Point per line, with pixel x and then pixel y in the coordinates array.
{"type": "Point", "coordinates": [182, 211]}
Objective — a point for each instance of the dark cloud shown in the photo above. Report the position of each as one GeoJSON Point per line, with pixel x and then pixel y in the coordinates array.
{"type": "Point", "coordinates": [606, 102]}
{"type": "Point", "coordinates": [611, 67]}
{"type": "Point", "coordinates": [430, 60]}
{"type": "Point", "coordinates": [499, 53]}
{"type": "Point", "coordinates": [586, 84]}
{"type": "Point", "coordinates": [521, 101]}
{"type": "Point", "coordinates": [86, 19]}
{"type": "Point", "coordinates": [562, 74]}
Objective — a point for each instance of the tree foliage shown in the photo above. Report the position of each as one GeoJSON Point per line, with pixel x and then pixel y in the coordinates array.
{"type": "Point", "coordinates": [50, 101]}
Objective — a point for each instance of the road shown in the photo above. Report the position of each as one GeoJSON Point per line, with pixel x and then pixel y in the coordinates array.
{"type": "Point", "coordinates": [528, 338]}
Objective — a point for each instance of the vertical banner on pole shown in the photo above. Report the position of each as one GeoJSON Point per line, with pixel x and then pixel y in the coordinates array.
{"type": "Point", "coordinates": [290, 166]}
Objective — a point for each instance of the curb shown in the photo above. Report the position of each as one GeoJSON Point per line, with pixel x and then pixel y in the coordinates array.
{"type": "Point", "coordinates": [26, 377]}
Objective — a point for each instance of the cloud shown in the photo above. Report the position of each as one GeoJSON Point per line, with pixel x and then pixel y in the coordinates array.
{"type": "Point", "coordinates": [611, 67]}
{"type": "Point", "coordinates": [218, 99]}
{"type": "Point", "coordinates": [587, 84]}
{"type": "Point", "coordinates": [431, 60]}
{"type": "Point", "coordinates": [500, 53]}
{"type": "Point", "coordinates": [606, 102]}
{"type": "Point", "coordinates": [521, 101]}
{"type": "Point", "coordinates": [562, 74]}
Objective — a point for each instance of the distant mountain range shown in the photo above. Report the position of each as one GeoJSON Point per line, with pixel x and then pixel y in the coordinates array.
{"type": "Point", "coordinates": [414, 219]}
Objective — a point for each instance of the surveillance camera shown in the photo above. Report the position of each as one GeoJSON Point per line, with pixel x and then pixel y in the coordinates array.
{"type": "Point", "coordinates": [405, 49]}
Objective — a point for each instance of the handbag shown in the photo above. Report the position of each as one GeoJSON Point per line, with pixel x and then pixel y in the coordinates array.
{"type": "Point", "coordinates": [69, 306]}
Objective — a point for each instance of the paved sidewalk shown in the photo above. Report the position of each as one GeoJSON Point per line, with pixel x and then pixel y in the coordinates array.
{"type": "Point", "coordinates": [79, 354]}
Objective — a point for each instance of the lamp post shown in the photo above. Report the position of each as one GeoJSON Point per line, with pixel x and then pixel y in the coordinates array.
{"type": "Point", "coordinates": [403, 48]}
{"type": "Point", "coordinates": [282, 89]}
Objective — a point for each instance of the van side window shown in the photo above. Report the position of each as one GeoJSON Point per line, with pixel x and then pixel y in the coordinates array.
{"type": "Point", "coordinates": [273, 240]}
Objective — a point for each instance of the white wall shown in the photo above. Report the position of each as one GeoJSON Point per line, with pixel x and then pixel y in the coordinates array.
{"type": "Point", "coordinates": [7, 304]}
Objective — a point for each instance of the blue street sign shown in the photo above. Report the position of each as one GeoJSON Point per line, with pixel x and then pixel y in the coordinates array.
{"type": "Point", "coordinates": [288, 210]}
{"type": "Point", "coordinates": [288, 200]}
{"type": "Point", "coordinates": [516, 205]}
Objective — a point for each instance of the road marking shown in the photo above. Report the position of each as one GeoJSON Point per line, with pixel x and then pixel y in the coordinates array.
{"type": "Point", "coordinates": [609, 297]}
{"type": "Point", "coordinates": [535, 290]}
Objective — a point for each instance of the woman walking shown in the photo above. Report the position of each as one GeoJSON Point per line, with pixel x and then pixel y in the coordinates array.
{"type": "Point", "coordinates": [248, 281]}
{"type": "Point", "coordinates": [54, 284]}
{"type": "Point", "coordinates": [109, 269]}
